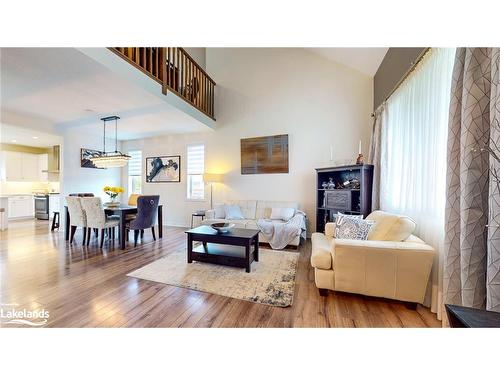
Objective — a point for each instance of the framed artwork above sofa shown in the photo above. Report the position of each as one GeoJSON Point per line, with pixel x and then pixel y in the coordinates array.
{"type": "Point", "coordinates": [264, 154]}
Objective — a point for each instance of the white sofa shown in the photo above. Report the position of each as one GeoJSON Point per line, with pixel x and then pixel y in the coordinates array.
{"type": "Point", "coordinates": [392, 263]}
{"type": "Point", "coordinates": [253, 210]}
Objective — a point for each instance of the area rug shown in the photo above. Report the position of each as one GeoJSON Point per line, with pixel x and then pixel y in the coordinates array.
{"type": "Point", "coordinates": [271, 282]}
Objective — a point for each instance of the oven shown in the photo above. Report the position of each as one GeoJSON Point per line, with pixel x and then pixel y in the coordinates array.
{"type": "Point", "coordinates": [42, 206]}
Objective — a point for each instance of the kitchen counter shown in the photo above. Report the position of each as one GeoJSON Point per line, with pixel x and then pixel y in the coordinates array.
{"type": "Point", "coordinates": [23, 195]}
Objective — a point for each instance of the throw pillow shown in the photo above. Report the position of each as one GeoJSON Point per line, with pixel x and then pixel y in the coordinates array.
{"type": "Point", "coordinates": [284, 214]}
{"type": "Point", "coordinates": [233, 212]}
{"type": "Point", "coordinates": [352, 229]}
{"type": "Point", "coordinates": [220, 213]}
{"type": "Point", "coordinates": [335, 216]}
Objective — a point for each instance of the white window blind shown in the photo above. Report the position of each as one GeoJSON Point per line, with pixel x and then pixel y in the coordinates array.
{"type": "Point", "coordinates": [135, 172]}
{"type": "Point", "coordinates": [135, 163]}
{"type": "Point", "coordinates": [195, 170]}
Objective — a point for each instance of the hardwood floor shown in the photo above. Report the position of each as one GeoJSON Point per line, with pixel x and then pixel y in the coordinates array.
{"type": "Point", "coordinates": [87, 287]}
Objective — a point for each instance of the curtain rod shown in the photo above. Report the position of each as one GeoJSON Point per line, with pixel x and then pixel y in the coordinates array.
{"type": "Point", "coordinates": [408, 72]}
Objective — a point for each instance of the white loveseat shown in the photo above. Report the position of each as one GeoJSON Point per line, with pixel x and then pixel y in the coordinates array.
{"type": "Point", "coordinates": [252, 211]}
{"type": "Point", "coordinates": [392, 263]}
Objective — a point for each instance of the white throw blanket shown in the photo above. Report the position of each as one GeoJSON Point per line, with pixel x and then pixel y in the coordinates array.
{"type": "Point", "coordinates": [280, 234]}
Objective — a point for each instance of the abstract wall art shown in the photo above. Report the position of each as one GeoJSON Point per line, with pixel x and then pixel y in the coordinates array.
{"type": "Point", "coordinates": [163, 169]}
{"type": "Point", "coordinates": [264, 154]}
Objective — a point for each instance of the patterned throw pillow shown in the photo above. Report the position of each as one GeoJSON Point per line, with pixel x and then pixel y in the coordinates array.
{"type": "Point", "coordinates": [335, 216]}
{"type": "Point", "coordinates": [352, 228]}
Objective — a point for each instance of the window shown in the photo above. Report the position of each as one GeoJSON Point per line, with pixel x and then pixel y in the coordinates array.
{"type": "Point", "coordinates": [135, 172]}
{"type": "Point", "coordinates": [195, 170]}
{"type": "Point", "coordinates": [413, 154]}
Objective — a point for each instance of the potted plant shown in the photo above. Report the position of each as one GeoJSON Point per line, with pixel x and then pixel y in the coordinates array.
{"type": "Point", "coordinates": [112, 192]}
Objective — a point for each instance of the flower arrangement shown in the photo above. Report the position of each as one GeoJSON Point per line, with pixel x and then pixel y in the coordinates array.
{"type": "Point", "coordinates": [113, 191]}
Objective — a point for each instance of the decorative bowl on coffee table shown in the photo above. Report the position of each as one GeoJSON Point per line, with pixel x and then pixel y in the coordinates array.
{"type": "Point", "coordinates": [222, 227]}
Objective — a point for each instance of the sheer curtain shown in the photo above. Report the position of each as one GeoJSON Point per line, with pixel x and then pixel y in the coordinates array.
{"type": "Point", "coordinates": [413, 155]}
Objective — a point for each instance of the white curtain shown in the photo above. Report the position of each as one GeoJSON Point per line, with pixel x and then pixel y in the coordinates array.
{"type": "Point", "coordinates": [413, 155]}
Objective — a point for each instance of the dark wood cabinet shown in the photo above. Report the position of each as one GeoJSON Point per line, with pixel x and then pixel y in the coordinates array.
{"type": "Point", "coordinates": [349, 198]}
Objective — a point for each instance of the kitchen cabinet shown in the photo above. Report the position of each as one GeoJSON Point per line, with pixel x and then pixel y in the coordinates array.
{"type": "Point", "coordinates": [29, 165]}
{"type": "Point", "coordinates": [53, 204]}
{"type": "Point", "coordinates": [43, 165]}
{"type": "Point", "coordinates": [21, 206]}
{"type": "Point", "coordinates": [23, 166]}
{"type": "Point", "coordinates": [12, 170]}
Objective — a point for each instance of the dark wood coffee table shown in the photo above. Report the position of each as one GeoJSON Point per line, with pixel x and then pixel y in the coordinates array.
{"type": "Point", "coordinates": [238, 248]}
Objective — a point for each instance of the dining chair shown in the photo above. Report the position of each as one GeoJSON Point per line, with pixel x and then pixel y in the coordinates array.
{"type": "Point", "coordinates": [77, 215]}
{"type": "Point", "coordinates": [96, 218]}
{"type": "Point", "coordinates": [132, 199]}
{"type": "Point", "coordinates": [147, 207]}
{"type": "Point", "coordinates": [84, 195]}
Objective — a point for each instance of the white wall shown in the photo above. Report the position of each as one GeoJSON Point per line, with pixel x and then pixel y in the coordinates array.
{"type": "Point", "coordinates": [76, 179]}
{"type": "Point", "coordinates": [264, 92]}
{"type": "Point", "coordinates": [198, 54]}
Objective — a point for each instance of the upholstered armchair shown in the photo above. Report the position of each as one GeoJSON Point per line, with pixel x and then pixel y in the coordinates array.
{"type": "Point", "coordinates": [147, 206]}
{"type": "Point", "coordinates": [96, 218]}
{"type": "Point", "coordinates": [392, 263]}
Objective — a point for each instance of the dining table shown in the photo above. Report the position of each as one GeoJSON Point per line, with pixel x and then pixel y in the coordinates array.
{"type": "Point", "coordinates": [121, 211]}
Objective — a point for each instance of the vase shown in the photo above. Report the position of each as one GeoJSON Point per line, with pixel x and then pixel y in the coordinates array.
{"type": "Point", "coordinates": [113, 202]}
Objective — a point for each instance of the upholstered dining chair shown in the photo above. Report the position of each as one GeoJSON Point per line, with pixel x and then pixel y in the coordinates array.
{"type": "Point", "coordinates": [147, 207]}
{"type": "Point", "coordinates": [132, 199]}
{"type": "Point", "coordinates": [96, 218]}
{"type": "Point", "coordinates": [84, 195]}
{"type": "Point", "coordinates": [77, 215]}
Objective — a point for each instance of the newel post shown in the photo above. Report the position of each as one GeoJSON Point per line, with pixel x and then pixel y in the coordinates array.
{"type": "Point", "coordinates": [163, 70]}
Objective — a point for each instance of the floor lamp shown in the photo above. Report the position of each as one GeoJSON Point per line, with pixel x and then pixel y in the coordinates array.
{"type": "Point", "coordinates": [212, 178]}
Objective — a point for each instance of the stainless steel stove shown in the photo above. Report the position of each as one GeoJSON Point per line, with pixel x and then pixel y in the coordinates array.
{"type": "Point", "coordinates": [41, 206]}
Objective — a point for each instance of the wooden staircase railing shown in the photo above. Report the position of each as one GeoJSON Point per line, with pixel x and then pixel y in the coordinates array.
{"type": "Point", "coordinates": [176, 71]}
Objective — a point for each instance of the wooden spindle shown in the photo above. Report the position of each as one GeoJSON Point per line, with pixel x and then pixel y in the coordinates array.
{"type": "Point", "coordinates": [176, 71]}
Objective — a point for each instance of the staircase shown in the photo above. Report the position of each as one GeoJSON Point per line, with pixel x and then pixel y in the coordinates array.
{"type": "Point", "coordinates": [176, 71]}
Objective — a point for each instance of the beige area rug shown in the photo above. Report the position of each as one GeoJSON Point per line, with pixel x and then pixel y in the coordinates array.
{"type": "Point", "coordinates": [271, 282]}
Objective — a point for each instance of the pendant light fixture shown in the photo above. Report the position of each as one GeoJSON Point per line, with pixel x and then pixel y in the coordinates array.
{"type": "Point", "coordinates": [114, 159]}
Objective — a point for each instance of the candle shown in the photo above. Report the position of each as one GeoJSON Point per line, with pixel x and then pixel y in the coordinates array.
{"type": "Point", "coordinates": [359, 149]}
{"type": "Point", "coordinates": [331, 153]}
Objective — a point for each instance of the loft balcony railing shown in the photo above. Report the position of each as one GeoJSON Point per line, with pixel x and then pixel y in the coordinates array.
{"type": "Point", "coordinates": [176, 71]}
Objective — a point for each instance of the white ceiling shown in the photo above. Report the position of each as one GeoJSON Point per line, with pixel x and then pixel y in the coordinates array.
{"type": "Point", "coordinates": [16, 135]}
{"type": "Point", "coordinates": [365, 60]}
{"type": "Point", "coordinates": [70, 89]}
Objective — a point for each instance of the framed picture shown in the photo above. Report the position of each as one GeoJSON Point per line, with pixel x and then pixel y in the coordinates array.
{"type": "Point", "coordinates": [264, 154]}
{"type": "Point", "coordinates": [163, 169]}
{"type": "Point", "coordinates": [85, 155]}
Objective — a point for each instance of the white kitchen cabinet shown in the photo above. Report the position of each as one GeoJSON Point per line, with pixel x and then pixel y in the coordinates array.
{"type": "Point", "coordinates": [43, 165]}
{"type": "Point", "coordinates": [12, 166]}
{"type": "Point", "coordinates": [22, 206]}
{"type": "Point", "coordinates": [30, 167]}
{"type": "Point", "coordinates": [22, 166]}
{"type": "Point", "coordinates": [53, 204]}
